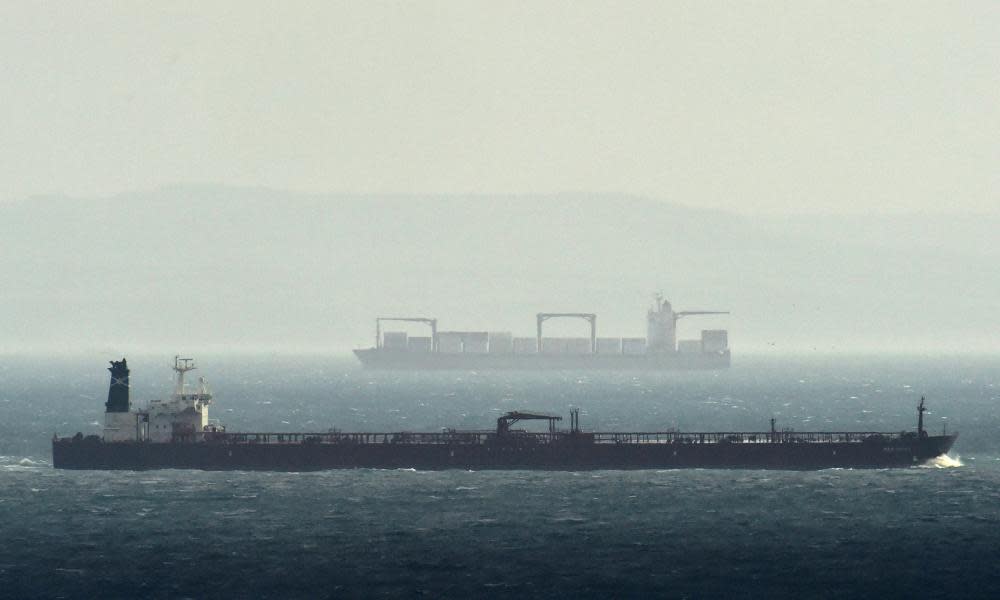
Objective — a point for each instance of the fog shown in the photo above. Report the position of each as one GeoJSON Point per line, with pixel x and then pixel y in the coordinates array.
{"type": "Point", "coordinates": [826, 173]}
{"type": "Point", "coordinates": [239, 268]}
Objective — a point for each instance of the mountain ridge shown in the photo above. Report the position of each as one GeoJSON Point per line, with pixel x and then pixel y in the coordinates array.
{"type": "Point", "coordinates": [214, 264]}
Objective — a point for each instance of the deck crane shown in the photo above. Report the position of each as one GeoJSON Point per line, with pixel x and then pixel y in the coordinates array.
{"type": "Point", "coordinates": [686, 313]}
{"type": "Point", "coordinates": [504, 422]}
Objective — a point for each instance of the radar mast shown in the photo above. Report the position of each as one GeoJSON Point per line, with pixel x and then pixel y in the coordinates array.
{"type": "Point", "coordinates": [182, 366]}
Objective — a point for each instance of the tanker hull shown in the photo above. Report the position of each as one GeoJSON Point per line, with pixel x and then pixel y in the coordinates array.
{"type": "Point", "coordinates": [566, 452]}
{"type": "Point", "coordinates": [177, 434]}
{"type": "Point", "coordinates": [378, 358]}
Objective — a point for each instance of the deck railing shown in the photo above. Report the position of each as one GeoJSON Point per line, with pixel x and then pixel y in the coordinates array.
{"type": "Point", "coordinates": [738, 437]}
{"type": "Point", "coordinates": [483, 437]}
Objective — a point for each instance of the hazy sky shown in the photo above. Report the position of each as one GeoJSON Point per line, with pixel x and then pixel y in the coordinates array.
{"type": "Point", "coordinates": [746, 106]}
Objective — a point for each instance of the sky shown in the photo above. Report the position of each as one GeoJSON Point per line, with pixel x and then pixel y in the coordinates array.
{"type": "Point", "coordinates": [748, 107]}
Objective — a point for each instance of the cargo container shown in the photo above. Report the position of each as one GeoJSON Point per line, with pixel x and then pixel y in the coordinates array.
{"type": "Point", "coordinates": [449, 342]}
{"type": "Point", "coordinates": [609, 345]}
{"type": "Point", "coordinates": [578, 346]}
{"type": "Point", "coordinates": [394, 340]}
{"type": "Point", "coordinates": [419, 344]}
{"type": "Point", "coordinates": [714, 340]}
{"type": "Point", "coordinates": [501, 342]}
{"type": "Point", "coordinates": [689, 346]}
{"type": "Point", "coordinates": [554, 345]}
{"type": "Point", "coordinates": [633, 345]}
{"type": "Point", "coordinates": [525, 345]}
{"type": "Point", "coordinates": [475, 342]}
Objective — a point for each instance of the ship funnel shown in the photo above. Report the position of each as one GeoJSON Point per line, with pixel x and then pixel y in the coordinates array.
{"type": "Point", "coordinates": [118, 400]}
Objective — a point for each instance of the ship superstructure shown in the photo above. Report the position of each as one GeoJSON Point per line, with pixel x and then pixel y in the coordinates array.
{"type": "Point", "coordinates": [191, 442]}
{"type": "Point", "coordinates": [661, 331]}
{"type": "Point", "coordinates": [181, 417]}
{"type": "Point", "coordinates": [660, 349]}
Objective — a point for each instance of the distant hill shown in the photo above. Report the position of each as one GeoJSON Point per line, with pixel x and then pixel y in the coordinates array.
{"type": "Point", "coordinates": [189, 266]}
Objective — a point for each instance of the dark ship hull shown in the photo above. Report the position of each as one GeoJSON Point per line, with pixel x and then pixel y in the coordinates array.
{"type": "Point", "coordinates": [164, 436]}
{"type": "Point", "coordinates": [380, 358]}
{"type": "Point", "coordinates": [478, 451]}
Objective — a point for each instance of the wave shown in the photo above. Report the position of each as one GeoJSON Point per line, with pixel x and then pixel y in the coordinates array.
{"type": "Point", "coordinates": [945, 461]}
{"type": "Point", "coordinates": [21, 462]}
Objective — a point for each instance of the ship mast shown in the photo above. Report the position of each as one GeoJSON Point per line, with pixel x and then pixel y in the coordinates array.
{"type": "Point", "coordinates": [920, 418]}
{"type": "Point", "coordinates": [182, 366]}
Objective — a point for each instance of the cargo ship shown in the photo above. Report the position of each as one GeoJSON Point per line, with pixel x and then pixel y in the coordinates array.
{"type": "Point", "coordinates": [477, 350]}
{"type": "Point", "coordinates": [177, 434]}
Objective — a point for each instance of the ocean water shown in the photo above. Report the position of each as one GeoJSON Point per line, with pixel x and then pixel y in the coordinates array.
{"type": "Point", "coordinates": [931, 531]}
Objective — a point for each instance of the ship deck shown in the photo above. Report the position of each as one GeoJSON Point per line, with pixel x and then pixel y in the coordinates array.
{"type": "Point", "coordinates": [617, 438]}
{"type": "Point", "coordinates": [380, 358]}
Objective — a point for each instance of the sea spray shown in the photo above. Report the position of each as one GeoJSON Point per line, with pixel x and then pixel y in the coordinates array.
{"type": "Point", "coordinates": [945, 461]}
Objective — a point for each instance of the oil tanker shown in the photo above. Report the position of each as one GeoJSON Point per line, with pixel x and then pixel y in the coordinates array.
{"type": "Point", "coordinates": [477, 350]}
{"type": "Point", "coordinates": [177, 434]}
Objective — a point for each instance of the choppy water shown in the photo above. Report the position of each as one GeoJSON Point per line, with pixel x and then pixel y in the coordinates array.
{"type": "Point", "coordinates": [929, 531]}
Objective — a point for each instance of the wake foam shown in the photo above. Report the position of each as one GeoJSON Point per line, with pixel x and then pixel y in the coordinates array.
{"type": "Point", "coordinates": [945, 462]}
{"type": "Point", "coordinates": [16, 462]}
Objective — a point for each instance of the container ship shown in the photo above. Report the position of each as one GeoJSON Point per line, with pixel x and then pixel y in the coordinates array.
{"type": "Point", "coordinates": [178, 434]}
{"type": "Point", "coordinates": [475, 350]}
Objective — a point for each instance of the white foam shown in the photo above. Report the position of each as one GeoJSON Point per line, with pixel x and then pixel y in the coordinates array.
{"type": "Point", "coordinates": [946, 462]}
{"type": "Point", "coordinates": [15, 463]}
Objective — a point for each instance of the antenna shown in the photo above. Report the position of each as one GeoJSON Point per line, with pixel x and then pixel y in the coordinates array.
{"type": "Point", "coordinates": [920, 418]}
{"type": "Point", "coordinates": [182, 366]}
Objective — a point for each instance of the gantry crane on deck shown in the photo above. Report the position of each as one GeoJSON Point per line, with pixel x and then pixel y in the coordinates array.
{"type": "Point", "coordinates": [591, 317]}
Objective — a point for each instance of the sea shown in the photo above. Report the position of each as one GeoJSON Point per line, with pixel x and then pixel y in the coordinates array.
{"type": "Point", "coordinates": [921, 532]}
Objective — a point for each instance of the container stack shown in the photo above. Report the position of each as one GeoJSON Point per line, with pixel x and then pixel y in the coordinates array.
{"type": "Point", "coordinates": [633, 345]}
{"type": "Point", "coordinates": [501, 342]}
{"type": "Point", "coordinates": [525, 345]}
{"type": "Point", "coordinates": [394, 340]}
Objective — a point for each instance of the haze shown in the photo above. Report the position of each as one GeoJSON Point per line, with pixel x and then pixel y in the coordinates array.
{"type": "Point", "coordinates": [249, 175]}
